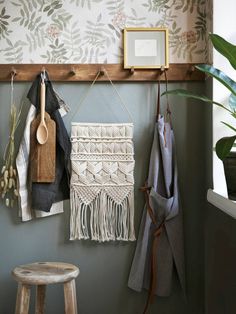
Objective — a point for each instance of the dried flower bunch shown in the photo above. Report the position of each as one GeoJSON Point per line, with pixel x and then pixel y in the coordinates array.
{"type": "Point", "coordinates": [9, 178]}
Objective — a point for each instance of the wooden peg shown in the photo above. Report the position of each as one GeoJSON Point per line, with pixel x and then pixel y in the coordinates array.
{"type": "Point", "coordinates": [162, 69]}
{"type": "Point", "coordinates": [102, 71]}
{"type": "Point", "coordinates": [13, 72]}
{"type": "Point", "coordinates": [72, 71]}
{"type": "Point", "coordinates": [191, 69]}
{"type": "Point", "coordinates": [131, 70]}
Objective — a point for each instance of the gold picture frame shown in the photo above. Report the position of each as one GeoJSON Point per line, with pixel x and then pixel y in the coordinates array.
{"type": "Point", "coordinates": [146, 48]}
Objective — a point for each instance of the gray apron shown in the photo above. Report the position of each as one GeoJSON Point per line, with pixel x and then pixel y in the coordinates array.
{"type": "Point", "coordinates": [165, 227]}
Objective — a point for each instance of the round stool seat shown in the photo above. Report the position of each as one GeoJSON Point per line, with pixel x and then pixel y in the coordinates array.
{"type": "Point", "coordinates": [44, 273]}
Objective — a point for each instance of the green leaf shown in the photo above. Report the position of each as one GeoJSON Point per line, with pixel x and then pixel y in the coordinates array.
{"type": "Point", "coordinates": [232, 102]}
{"type": "Point", "coordinates": [187, 94]}
{"type": "Point", "coordinates": [224, 145]}
{"type": "Point", "coordinates": [219, 75]}
{"type": "Point", "coordinates": [229, 126]}
{"type": "Point", "coordinates": [225, 48]}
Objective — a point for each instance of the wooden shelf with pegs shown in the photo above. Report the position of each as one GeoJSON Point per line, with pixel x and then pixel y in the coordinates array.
{"type": "Point", "coordinates": [87, 72]}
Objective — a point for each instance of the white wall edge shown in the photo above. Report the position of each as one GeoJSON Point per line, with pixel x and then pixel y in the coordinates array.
{"type": "Point", "coordinates": [221, 202]}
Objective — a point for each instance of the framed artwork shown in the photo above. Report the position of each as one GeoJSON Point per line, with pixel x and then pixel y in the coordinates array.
{"type": "Point", "coordinates": [146, 48]}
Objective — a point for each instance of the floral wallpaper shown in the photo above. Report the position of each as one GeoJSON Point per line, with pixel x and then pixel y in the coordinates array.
{"type": "Point", "coordinates": [90, 31]}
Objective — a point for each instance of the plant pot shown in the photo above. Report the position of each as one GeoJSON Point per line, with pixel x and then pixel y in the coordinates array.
{"type": "Point", "coordinates": [230, 175]}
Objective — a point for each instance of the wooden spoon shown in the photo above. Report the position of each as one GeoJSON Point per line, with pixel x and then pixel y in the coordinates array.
{"type": "Point", "coordinates": [42, 131]}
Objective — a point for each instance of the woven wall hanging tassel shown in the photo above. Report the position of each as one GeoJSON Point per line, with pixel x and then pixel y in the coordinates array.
{"type": "Point", "coordinates": [102, 182]}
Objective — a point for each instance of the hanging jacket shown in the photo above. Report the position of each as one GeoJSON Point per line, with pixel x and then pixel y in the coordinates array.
{"type": "Point", "coordinates": [45, 194]}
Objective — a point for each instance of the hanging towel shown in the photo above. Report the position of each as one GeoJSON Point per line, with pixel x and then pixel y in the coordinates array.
{"type": "Point", "coordinates": [102, 182]}
{"type": "Point", "coordinates": [45, 194]}
{"type": "Point", "coordinates": [167, 230]}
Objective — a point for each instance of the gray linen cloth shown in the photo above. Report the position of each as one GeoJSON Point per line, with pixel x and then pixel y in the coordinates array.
{"type": "Point", "coordinates": [164, 201]}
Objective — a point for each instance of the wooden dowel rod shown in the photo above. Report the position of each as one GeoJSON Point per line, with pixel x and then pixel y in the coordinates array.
{"type": "Point", "coordinates": [87, 72]}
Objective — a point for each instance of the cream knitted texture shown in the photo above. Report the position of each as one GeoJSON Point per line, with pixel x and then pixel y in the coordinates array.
{"type": "Point", "coordinates": [102, 182]}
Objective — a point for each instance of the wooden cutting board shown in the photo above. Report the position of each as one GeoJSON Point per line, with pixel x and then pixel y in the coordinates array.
{"type": "Point", "coordinates": [43, 157]}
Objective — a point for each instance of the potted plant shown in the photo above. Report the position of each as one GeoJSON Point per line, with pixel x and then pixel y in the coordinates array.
{"type": "Point", "coordinates": [224, 145]}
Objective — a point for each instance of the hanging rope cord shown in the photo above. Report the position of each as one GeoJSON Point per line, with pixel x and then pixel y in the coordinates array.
{"type": "Point", "coordinates": [12, 88]}
{"type": "Point", "coordinates": [115, 89]}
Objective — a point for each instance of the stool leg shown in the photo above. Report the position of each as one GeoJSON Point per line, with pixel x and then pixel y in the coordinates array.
{"type": "Point", "coordinates": [70, 297]}
{"type": "Point", "coordinates": [40, 299]}
{"type": "Point", "coordinates": [22, 300]}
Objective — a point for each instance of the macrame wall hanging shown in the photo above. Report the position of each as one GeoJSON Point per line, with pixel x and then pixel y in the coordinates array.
{"type": "Point", "coordinates": [102, 180]}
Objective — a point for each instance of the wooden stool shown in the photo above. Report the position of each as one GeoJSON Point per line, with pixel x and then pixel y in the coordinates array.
{"type": "Point", "coordinates": [41, 274]}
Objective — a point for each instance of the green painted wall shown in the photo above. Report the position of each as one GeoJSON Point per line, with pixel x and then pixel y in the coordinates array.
{"type": "Point", "coordinates": [220, 257]}
{"type": "Point", "coordinates": [220, 264]}
{"type": "Point", "coordinates": [102, 284]}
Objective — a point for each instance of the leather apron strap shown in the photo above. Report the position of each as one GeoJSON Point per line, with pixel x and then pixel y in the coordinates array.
{"type": "Point", "coordinates": [158, 99]}
{"type": "Point", "coordinates": [156, 236]}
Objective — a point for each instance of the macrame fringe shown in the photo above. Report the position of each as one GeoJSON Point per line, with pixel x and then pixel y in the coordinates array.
{"type": "Point", "coordinates": [103, 219]}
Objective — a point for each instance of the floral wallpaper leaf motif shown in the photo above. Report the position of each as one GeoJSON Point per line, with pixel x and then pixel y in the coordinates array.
{"type": "Point", "coordinates": [61, 18]}
{"type": "Point", "coordinates": [84, 3]}
{"type": "Point", "coordinates": [71, 38]}
{"type": "Point", "coordinates": [36, 3]}
{"type": "Point", "coordinates": [90, 31]}
{"type": "Point", "coordinates": [183, 44]}
{"type": "Point", "coordinates": [166, 20]}
{"type": "Point", "coordinates": [14, 52]}
{"type": "Point", "coordinates": [35, 40]}
{"type": "Point", "coordinates": [201, 24]}
{"type": "Point", "coordinates": [134, 20]}
{"type": "Point", "coordinates": [57, 53]}
{"type": "Point", "coordinates": [156, 5]}
{"type": "Point", "coordinates": [97, 35]}
{"type": "Point", "coordinates": [114, 7]}
{"type": "Point", "coordinates": [185, 5]}
{"type": "Point", "coordinates": [4, 24]}
{"type": "Point", "coordinates": [50, 8]}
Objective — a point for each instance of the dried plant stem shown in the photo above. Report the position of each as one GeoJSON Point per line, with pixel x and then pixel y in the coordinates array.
{"type": "Point", "coordinates": [9, 178]}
